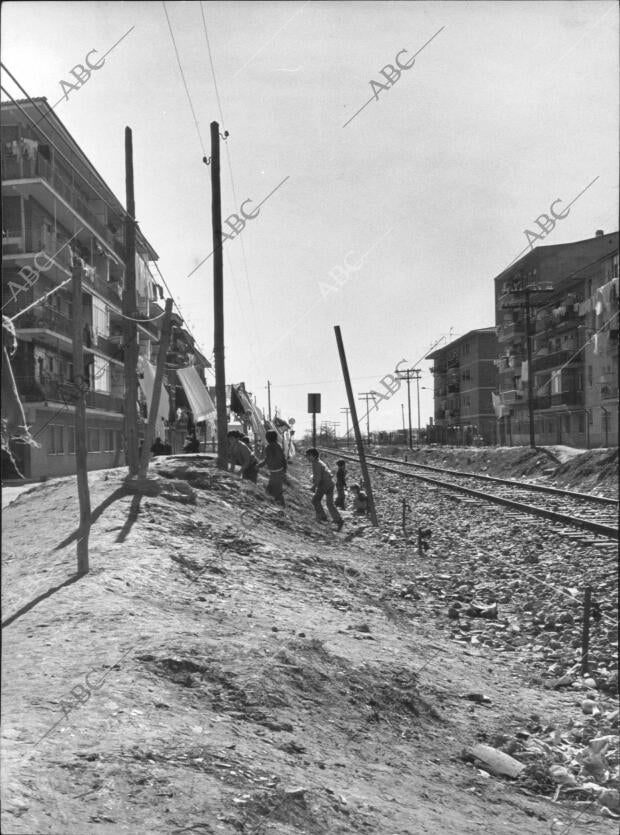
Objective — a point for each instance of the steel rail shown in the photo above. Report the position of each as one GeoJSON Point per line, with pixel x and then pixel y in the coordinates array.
{"type": "Point", "coordinates": [541, 488]}
{"type": "Point", "coordinates": [574, 521]}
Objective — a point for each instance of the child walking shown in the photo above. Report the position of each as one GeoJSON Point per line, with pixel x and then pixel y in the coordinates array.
{"type": "Point", "coordinates": [322, 485]}
{"type": "Point", "coordinates": [341, 483]}
{"type": "Point", "coordinates": [275, 460]}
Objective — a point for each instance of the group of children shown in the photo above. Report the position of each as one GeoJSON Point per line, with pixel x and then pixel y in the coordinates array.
{"type": "Point", "coordinates": [322, 480]}
{"type": "Point", "coordinates": [323, 485]}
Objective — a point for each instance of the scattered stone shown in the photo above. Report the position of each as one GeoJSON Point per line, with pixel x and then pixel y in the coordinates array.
{"type": "Point", "coordinates": [480, 610]}
{"type": "Point", "coordinates": [495, 761]}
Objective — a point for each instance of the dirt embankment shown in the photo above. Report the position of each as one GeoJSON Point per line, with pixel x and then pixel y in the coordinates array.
{"type": "Point", "coordinates": [589, 471]}
{"type": "Point", "coordinates": [229, 667]}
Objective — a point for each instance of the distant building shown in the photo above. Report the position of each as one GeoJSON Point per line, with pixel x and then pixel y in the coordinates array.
{"type": "Point", "coordinates": [600, 334]}
{"type": "Point", "coordinates": [56, 209]}
{"type": "Point", "coordinates": [465, 377]}
{"type": "Point", "coordinates": [561, 284]}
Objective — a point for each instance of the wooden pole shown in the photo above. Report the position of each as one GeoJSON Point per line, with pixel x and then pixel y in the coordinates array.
{"type": "Point", "coordinates": [356, 428]}
{"type": "Point", "coordinates": [314, 429]}
{"type": "Point", "coordinates": [81, 449]}
{"type": "Point", "coordinates": [130, 329]}
{"type": "Point", "coordinates": [218, 301]}
{"type": "Point", "coordinates": [269, 399]}
{"type": "Point", "coordinates": [585, 633]}
{"type": "Point", "coordinates": [164, 342]}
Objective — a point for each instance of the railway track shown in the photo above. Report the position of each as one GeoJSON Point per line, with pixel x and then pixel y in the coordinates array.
{"type": "Point", "coordinates": [596, 514]}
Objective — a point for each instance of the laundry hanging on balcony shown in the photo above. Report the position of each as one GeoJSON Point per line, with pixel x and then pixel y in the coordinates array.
{"type": "Point", "coordinates": [241, 404]}
{"type": "Point", "coordinates": [146, 378]}
{"type": "Point", "coordinates": [197, 395]}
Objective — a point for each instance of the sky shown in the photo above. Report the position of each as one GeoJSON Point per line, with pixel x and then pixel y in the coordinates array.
{"type": "Point", "coordinates": [390, 221]}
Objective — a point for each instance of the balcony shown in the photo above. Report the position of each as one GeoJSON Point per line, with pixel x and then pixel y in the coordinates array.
{"type": "Point", "coordinates": [58, 390]}
{"type": "Point", "coordinates": [453, 388]}
{"type": "Point", "coordinates": [567, 398]}
{"type": "Point", "coordinates": [14, 169]}
{"type": "Point", "coordinates": [509, 331]}
{"type": "Point", "coordinates": [44, 318]}
{"type": "Point", "coordinates": [556, 358]}
{"type": "Point", "coordinates": [511, 396]}
{"type": "Point", "coordinates": [108, 290]}
{"type": "Point", "coordinates": [609, 392]}
{"type": "Point", "coordinates": [543, 401]}
{"type": "Point", "coordinates": [439, 368]}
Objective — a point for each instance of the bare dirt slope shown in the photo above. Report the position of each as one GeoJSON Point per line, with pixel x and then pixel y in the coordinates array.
{"type": "Point", "coordinates": [227, 667]}
{"type": "Point", "coordinates": [590, 471]}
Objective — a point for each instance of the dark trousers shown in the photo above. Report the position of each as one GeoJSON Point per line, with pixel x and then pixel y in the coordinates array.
{"type": "Point", "coordinates": [274, 486]}
{"type": "Point", "coordinates": [317, 498]}
{"type": "Point", "coordinates": [251, 472]}
{"type": "Point", "coordinates": [339, 497]}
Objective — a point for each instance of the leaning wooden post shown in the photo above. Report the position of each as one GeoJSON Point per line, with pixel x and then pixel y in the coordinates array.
{"type": "Point", "coordinates": [81, 449]}
{"type": "Point", "coordinates": [164, 343]}
{"type": "Point", "coordinates": [356, 428]}
{"type": "Point", "coordinates": [585, 633]}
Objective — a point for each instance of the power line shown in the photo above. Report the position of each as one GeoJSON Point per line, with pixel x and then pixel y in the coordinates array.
{"type": "Point", "coordinates": [189, 98]}
{"type": "Point", "coordinates": [119, 210]}
{"type": "Point", "coordinates": [229, 161]}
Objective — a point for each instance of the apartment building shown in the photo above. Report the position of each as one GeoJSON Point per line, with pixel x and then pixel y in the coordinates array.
{"type": "Point", "coordinates": [465, 377]}
{"type": "Point", "coordinates": [599, 314]}
{"type": "Point", "coordinates": [545, 299]}
{"type": "Point", "coordinates": [57, 210]}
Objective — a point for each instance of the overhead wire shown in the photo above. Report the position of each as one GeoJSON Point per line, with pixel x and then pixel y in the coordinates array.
{"type": "Point", "coordinates": [115, 209]}
{"type": "Point", "coordinates": [189, 98]}
{"type": "Point", "coordinates": [230, 170]}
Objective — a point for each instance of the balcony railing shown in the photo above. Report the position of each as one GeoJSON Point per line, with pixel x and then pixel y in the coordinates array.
{"type": "Point", "coordinates": [567, 398]}
{"type": "Point", "coordinates": [14, 169]}
{"type": "Point", "coordinates": [509, 331]}
{"type": "Point", "coordinates": [556, 358]}
{"type": "Point", "coordinates": [59, 390]}
{"type": "Point", "coordinates": [511, 396]}
{"type": "Point", "coordinates": [45, 318]}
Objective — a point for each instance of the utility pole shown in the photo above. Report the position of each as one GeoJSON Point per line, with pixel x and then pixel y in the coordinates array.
{"type": "Point", "coordinates": [81, 449]}
{"type": "Point", "coordinates": [366, 395]}
{"type": "Point", "coordinates": [417, 384]}
{"type": "Point", "coordinates": [356, 428]}
{"type": "Point", "coordinates": [164, 342]}
{"type": "Point", "coordinates": [526, 306]}
{"type": "Point", "coordinates": [130, 305]}
{"type": "Point", "coordinates": [218, 301]}
{"type": "Point", "coordinates": [408, 374]}
{"type": "Point", "coordinates": [269, 399]}
{"type": "Point", "coordinates": [345, 410]}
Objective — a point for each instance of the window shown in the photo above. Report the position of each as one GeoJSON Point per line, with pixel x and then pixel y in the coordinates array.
{"type": "Point", "coordinates": [581, 424]}
{"type": "Point", "coordinates": [556, 384]}
{"type": "Point", "coordinates": [589, 375]}
{"type": "Point", "coordinates": [56, 439]}
{"type": "Point", "coordinates": [12, 216]}
{"type": "Point", "coordinates": [101, 375]}
{"type": "Point", "coordinates": [71, 440]}
{"type": "Point", "coordinates": [93, 440]}
{"type": "Point", "coordinates": [101, 317]}
{"type": "Point", "coordinates": [108, 442]}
